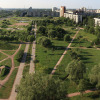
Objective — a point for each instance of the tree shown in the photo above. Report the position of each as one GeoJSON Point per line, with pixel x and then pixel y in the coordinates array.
{"type": "Point", "coordinates": [76, 70]}
{"type": "Point", "coordinates": [67, 37]}
{"type": "Point", "coordinates": [41, 87]}
{"type": "Point", "coordinates": [42, 30]}
{"type": "Point", "coordinates": [31, 38]}
{"type": "Point", "coordinates": [82, 86]}
{"type": "Point", "coordinates": [95, 76]}
{"type": "Point", "coordinates": [44, 41]}
{"type": "Point", "coordinates": [52, 33]}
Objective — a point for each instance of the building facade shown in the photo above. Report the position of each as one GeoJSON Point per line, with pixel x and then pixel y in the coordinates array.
{"type": "Point", "coordinates": [73, 16]}
{"type": "Point", "coordinates": [41, 13]}
{"type": "Point", "coordinates": [62, 11]}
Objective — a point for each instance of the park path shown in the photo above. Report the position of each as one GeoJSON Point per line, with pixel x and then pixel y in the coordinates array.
{"type": "Point", "coordinates": [32, 64]}
{"type": "Point", "coordinates": [59, 61]}
{"type": "Point", "coordinates": [2, 82]}
{"type": "Point", "coordinates": [19, 74]}
{"type": "Point", "coordinates": [78, 93]}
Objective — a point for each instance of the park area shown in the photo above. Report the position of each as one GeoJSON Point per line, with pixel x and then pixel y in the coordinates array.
{"type": "Point", "coordinates": [58, 44]}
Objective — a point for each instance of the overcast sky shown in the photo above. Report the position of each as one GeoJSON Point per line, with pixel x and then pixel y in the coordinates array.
{"type": "Point", "coordinates": [50, 3]}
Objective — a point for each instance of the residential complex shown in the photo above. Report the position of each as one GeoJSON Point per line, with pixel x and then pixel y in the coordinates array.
{"type": "Point", "coordinates": [42, 12]}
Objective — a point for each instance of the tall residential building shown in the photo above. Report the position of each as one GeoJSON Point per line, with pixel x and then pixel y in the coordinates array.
{"type": "Point", "coordinates": [62, 11]}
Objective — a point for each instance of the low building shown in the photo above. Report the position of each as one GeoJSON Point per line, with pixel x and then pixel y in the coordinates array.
{"type": "Point", "coordinates": [97, 21]}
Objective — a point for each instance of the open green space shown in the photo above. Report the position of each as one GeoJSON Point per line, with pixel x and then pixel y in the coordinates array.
{"type": "Point", "coordinates": [89, 96]}
{"type": "Point", "coordinates": [2, 56]}
{"type": "Point", "coordinates": [90, 57]}
{"type": "Point", "coordinates": [26, 69]}
{"type": "Point", "coordinates": [15, 58]}
{"type": "Point", "coordinates": [6, 63]}
{"type": "Point", "coordinates": [8, 46]}
{"type": "Point", "coordinates": [83, 39]}
{"type": "Point", "coordinates": [47, 57]}
{"type": "Point", "coordinates": [9, 52]}
{"type": "Point", "coordinates": [6, 89]}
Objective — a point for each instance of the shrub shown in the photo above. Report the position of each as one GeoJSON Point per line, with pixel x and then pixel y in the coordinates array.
{"type": "Point", "coordinates": [67, 37]}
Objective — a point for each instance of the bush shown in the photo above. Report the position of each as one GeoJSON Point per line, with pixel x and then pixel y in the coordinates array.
{"type": "Point", "coordinates": [67, 37]}
{"type": "Point", "coordinates": [44, 41]}
{"type": "Point", "coordinates": [20, 55]}
{"type": "Point", "coordinates": [5, 71]}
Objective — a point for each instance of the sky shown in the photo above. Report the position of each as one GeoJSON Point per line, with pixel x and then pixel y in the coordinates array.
{"type": "Point", "coordinates": [91, 4]}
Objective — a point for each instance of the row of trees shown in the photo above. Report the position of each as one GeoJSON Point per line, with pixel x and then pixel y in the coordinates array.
{"type": "Point", "coordinates": [76, 71]}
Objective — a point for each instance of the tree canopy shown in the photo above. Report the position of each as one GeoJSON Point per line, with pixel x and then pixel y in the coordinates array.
{"type": "Point", "coordinates": [41, 87]}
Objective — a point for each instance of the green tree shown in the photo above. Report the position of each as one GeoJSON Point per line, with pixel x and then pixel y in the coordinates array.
{"type": "Point", "coordinates": [31, 38]}
{"type": "Point", "coordinates": [67, 37]}
{"type": "Point", "coordinates": [76, 70]}
{"type": "Point", "coordinates": [42, 30]}
{"type": "Point", "coordinates": [82, 86]}
{"type": "Point", "coordinates": [44, 41]}
{"type": "Point", "coordinates": [41, 87]}
{"type": "Point", "coordinates": [95, 76]}
{"type": "Point", "coordinates": [52, 33]}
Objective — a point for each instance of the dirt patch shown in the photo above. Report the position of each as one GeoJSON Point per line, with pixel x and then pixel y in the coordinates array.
{"type": "Point", "coordinates": [20, 24]}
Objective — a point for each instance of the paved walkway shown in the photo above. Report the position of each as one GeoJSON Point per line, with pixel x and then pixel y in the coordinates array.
{"type": "Point", "coordinates": [32, 64]}
{"type": "Point", "coordinates": [53, 71]}
{"type": "Point", "coordinates": [19, 74]}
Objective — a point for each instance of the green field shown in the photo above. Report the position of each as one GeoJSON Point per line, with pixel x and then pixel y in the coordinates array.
{"type": "Point", "coordinates": [15, 59]}
{"type": "Point", "coordinates": [83, 39]}
{"type": "Point", "coordinates": [6, 63]}
{"type": "Point", "coordinates": [2, 56]}
{"type": "Point", "coordinates": [9, 52]}
{"type": "Point", "coordinates": [47, 57]}
{"type": "Point", "coordinates": [6, 90]}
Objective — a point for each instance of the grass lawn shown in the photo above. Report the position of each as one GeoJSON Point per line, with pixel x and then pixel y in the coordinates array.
{"type": "Point", "coordinates": [8, 46]}
{"type": "Point", "coordinates": [83, 39]}
{"type": "Point", "coordinates": [90, 57]}
{"type": "Point", "coordinates": [89, 96]}
{"type": "Point", "coordinates": [47, 57]}
{"type": "Point", "coordinates": [9, 52]}
{"type": "Point", "coordinates": [6, 90]}
{"type": "Point", "coordinates": [71, 30]}
{"type": "Point", "coordinates": [2, 56]}
{"type": "Point", "coordinates": [6, 63]}
{"type": "Point", "coordinates": [26, 69]}
{"type": "Point", "coordinates": [15, 60]}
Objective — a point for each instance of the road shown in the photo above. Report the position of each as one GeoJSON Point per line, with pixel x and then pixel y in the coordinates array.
{"type": "Point", "coordinates": [19, 74]}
